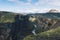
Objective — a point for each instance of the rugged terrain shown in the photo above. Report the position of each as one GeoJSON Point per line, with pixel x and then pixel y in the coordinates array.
{"type": "Point", "coordinates": [16, 26]}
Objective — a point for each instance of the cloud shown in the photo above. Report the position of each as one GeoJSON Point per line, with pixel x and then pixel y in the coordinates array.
{"type": "Point", "coordinates": [12, 0]}
{"type": "Point", "coordinates": [54, 3]}
{"type": "Point", "coordinates": [21, 2]}
{"type": "Point", "coordinates": [37, 7]}
{"type": "Point", "coordinates": [48, 2]}
{"type": "Point", "coordinates": [39, 2]}
{"type": "Point", "coordinates": [34, 10]}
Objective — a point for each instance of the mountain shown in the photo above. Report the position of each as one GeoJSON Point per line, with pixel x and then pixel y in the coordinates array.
{"type": "Point", "coordinates": [17, 26]}
{"type": "Point", "coordinates": [53, 11]}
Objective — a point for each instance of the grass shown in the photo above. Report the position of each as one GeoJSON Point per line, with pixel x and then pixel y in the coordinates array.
{"type": "Point", "coordinates": [47, 35]}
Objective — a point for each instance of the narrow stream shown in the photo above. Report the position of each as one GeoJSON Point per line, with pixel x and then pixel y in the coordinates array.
{"type": "Point", "coordinates": [33, 31]}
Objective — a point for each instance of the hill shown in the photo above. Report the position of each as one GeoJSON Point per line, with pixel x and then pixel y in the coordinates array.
{"type": "Point", "coordinates": [53, 34]}
{"type": "Point", "coordinates": [17, 26]}
{"type": "Point", "coordinates": [6, 16]}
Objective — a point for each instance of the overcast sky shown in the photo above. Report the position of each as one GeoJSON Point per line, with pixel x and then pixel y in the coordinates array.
{"type": "Point", "coordinates": [27, 6]}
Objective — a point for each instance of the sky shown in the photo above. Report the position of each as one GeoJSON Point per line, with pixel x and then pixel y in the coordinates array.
{"type": "Point", "coordinates": [29, 6]}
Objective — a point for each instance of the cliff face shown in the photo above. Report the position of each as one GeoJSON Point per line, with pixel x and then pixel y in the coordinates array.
{"type": "Point", "coordinates": [23, 25]}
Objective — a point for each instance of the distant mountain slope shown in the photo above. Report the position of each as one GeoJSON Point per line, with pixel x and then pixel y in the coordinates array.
{"type": "Point", "coordinates": [49, 15]}
{"type": "Point", "coordinates": [6, 16]}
